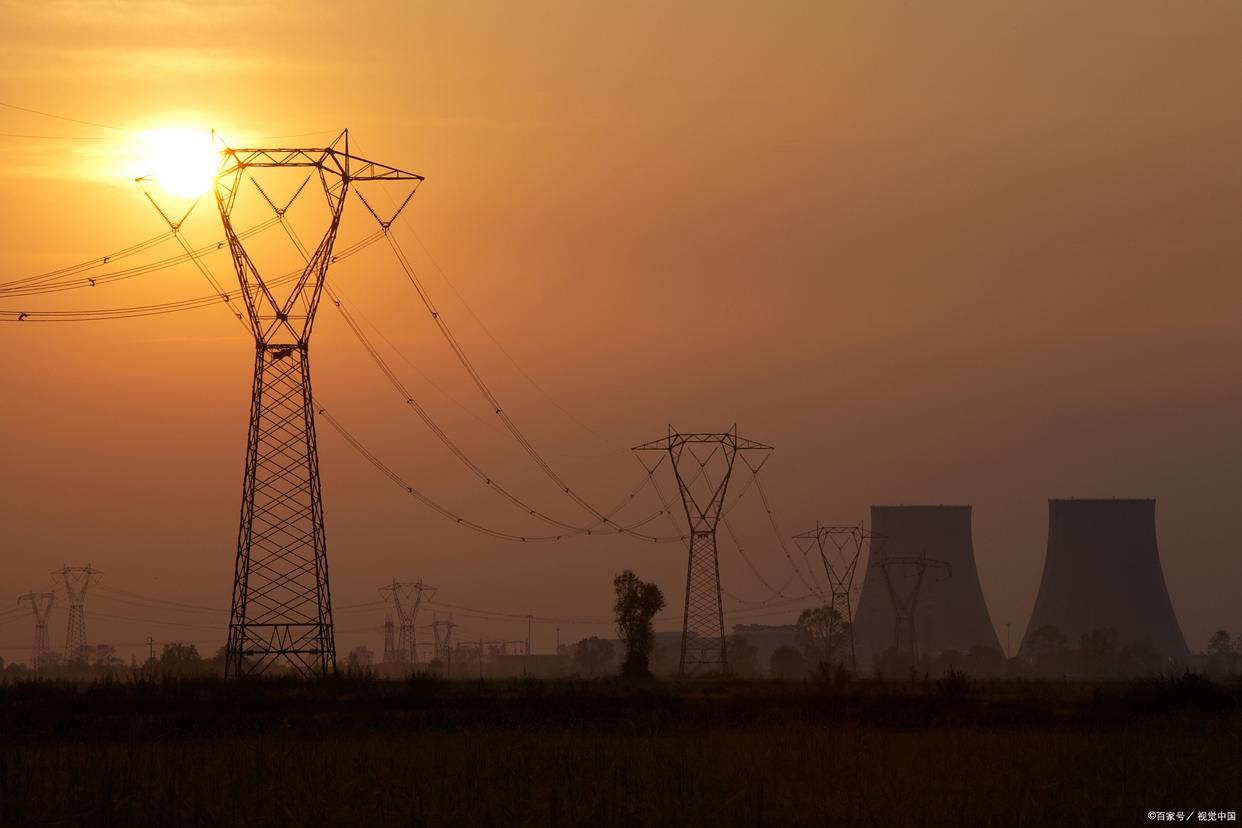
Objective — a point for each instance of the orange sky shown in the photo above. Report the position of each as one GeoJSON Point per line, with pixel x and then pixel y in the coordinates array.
{"type": "Point", "coordinates": [940, 254]}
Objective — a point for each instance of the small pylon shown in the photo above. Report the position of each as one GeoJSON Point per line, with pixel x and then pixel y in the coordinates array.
{"type": "Point", "coordinates": [406, 597]}
{"type": "Point", "coordinates": [442, 633]}
{"type": "Point", "coordinates": [905, 638]}
{"type": "Point", "coordinates": [840, 548]}
{"type": "Point", "coordinates": [76, 580]}
{"type": "Point", "coordinates": [41, 605]}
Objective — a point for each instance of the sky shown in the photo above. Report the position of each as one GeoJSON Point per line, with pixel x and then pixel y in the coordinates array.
{"type": "Point", "coordinates": [960, 252]}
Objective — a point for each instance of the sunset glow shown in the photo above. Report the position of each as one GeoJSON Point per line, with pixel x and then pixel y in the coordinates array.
{"type": "Point", "coordinates": [180, 160]}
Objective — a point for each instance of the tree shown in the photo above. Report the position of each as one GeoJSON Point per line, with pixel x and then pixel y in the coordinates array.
{"type": "Point", "coordinates": [1049, 651]}
{"type": "Point", "coordinates": [985, 661]}
{"type": "Point", "coordinates": [1222, 653]}
{"type": "Point", "coordinates": [786, 663]}
{"type": "Point", "coordinates": [359, 659]}
{"type": "Point", "coordinates": [1220, 644]}
{"type": "Point", "coordinates": [593, 656]}
{"type": "Point", "coordinates": [1099, 650]}
{"type": "Point", "coordinates": [743, 657]}
{"type": "Point", "coordinates": [1139, 660]}
{"type": "Point", "coordinates": [814, 626]}
{"type": "Point", "coordinates": [637, 603]}
{"type": "Point", "coordinates": [180, 659]}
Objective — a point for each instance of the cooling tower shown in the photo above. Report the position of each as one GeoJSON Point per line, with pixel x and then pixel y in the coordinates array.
{"type": "Point", "coordinates": [950, 613]}
{"type": "Point", "coordinates": [1102, 570]}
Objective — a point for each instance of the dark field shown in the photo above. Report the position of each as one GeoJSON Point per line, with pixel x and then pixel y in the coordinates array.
{"type": "Point", "coordinates": [349, 751]}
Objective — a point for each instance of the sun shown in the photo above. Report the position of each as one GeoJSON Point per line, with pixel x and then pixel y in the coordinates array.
{"type": "Point", "coordinates": [182, 161]}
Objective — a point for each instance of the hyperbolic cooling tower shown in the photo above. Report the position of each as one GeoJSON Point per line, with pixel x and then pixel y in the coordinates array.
{"type": "Point", "coordinates": [1103, 571]}
{"type": "Point", "coordinates": [950, 613]}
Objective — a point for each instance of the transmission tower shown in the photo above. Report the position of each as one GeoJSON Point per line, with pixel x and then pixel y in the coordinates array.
{"type": "Point", "coordinates": [282, 610]}
{"type": "Point", "coordinates": [839, 549]}
{"type": "Point", "coordinates": [703, 630]}
{"type": "Point", "coordinates": [76, 580]}
{"type": "Point", "coordinates": [41, 605]}
{"type": "Point", "coordinates": [904, 606]}
{"type": "Point", "coordinates": [406, 597]}
{"type": "Point", "coordinates": [442, 633]}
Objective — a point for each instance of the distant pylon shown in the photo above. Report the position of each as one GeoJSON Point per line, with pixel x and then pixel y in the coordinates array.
{"type": "Point", "coordinates": [905, 637]}
{"type": "Point", "coordinates": [703, 631]}
{"type": "Point", "coordinates": [406, 597]}
{"type": "Point", "coordinates": [41, 605]}
{"type": "Point", "coordinates": [442, 633]}
{"type": "Point", "coordinates": [390, 647]}
{"type": "Point", "coordinates": [76, 580]}
{"type": "Point", "coordinates": [839, 549]}
{"type": "Point", "coordinates": [282, 607]}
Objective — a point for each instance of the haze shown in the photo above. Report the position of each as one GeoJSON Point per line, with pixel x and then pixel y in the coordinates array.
{"type": "Point", "coordinates": [964, 254]}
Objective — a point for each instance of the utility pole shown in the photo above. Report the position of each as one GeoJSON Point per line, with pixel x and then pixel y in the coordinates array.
{"type": "Point", "coordinates": [76, 580]}
{"type": "Point", "coordinates": [282, 608]}
{"type": "Point", "coordinates": [526, 664]}
{"type": "Point", "coordinates": [845, 544]}
{"type": "Point", "coordinates": [703, 630]}
{"type": "Point", "coordinates": [150, 649]}
{"type": "Point", "coordinates": [41, 606]}
{"type": "Point", "coordinates": [407, 597]}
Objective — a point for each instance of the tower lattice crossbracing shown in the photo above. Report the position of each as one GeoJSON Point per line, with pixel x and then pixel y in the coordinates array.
{"type": "Point", "coordinates": [281, 610]}
{"type": "Point", "coordinates": [703, 648]}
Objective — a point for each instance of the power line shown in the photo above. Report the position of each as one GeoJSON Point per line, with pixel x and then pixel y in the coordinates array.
{"type": "Point", "coordinates": [483, 388]}
{"type": "Point", "coordinates": [500, 346]}
{"type": "Point", "coordinates": [63, 117]}
{"type": "Point", "coordinates": [425, 417]}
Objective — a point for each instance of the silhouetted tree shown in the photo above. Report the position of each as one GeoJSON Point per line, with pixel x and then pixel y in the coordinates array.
{"type": "Point", "coordinates": [892, 664]}
{"type": "Point", "coordinates": [1098, 650]}
{"type": "Point", "coordinates": [180, 659]}
{"type": "Point", "coordinates": [1049, 651]}
{"type": "Point", "coordinates": [1139, 660]}
{"type": "Point", "coordinates": [1220, 644]}
{"type": "Point", "coordinates": [985, 661]}
{"type": "Point", "coordinates": [813, 627]}
{"type": "Point", "coordinates": [593, 656]}
{"type": "Point", "coordinates": [786, 663]}
{"type": "Point", "coordinates": [743, 657]}
{"type": "Point", "coordinates": [637, 603]}
{"type": "Point", "coordinates": [359, 659]}
{"type": "Point", "coordinates": [1222, 654]}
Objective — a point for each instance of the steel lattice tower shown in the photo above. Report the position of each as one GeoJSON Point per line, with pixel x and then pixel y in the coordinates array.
{"type": "Point", "coordinates": [406, 597]}
{"type": "Point", "coordinates": [848, 543]}
{"type": "Point", "coordinates": [703, 631]}
{"type": "Point", "coordinates": [41, 605]}
{"type": "Point", "coordinates": [442, 633]}
{"type": "Point", "coordinates": [76, 580]}
{"type": "Point", "coordinates": [904, 606]}
{"type": "Point", "coordinates": [281, 610]}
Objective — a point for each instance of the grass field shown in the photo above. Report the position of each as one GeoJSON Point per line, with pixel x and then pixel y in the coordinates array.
{"type": "Point", "coordinates": [350, 751]}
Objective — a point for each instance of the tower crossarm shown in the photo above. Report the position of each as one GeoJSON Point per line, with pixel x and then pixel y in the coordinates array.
{"type": "Point", "coordinates": [729, 438]}
{"type": "Point", "coordinates": [353, 167]}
